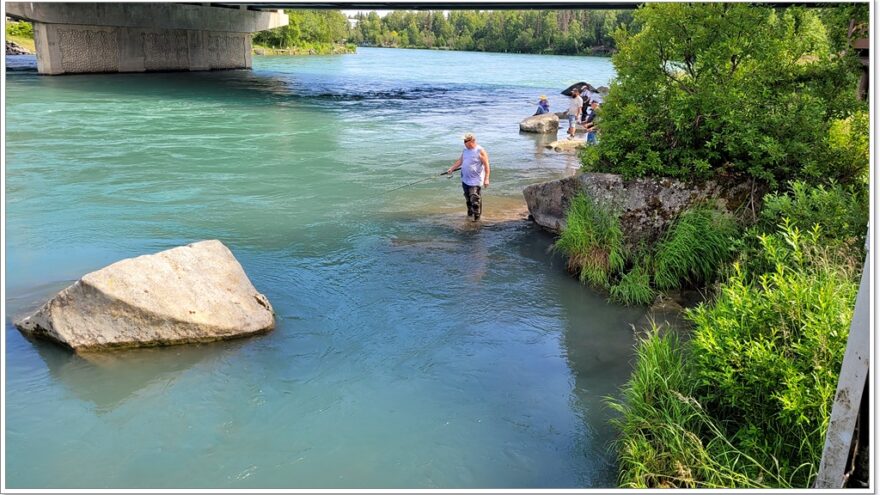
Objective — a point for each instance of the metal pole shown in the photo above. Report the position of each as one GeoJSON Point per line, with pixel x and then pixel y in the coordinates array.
{"type": "Point", "coordinates": [850, 387]}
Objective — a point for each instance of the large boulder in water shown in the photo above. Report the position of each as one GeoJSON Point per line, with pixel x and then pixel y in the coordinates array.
{"type": "Point", "coordinates": [193, 293]}
{"type": "Point", "coordinates": [542, 124]}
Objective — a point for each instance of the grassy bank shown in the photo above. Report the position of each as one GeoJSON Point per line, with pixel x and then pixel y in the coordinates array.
{"type": "Point", "coordinates": [745, 400]}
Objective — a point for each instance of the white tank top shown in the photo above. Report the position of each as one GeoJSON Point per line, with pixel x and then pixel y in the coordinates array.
{"type": "Point", "coordinates": [472, 171]}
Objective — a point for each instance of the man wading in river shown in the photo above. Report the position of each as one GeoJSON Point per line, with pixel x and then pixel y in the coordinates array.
{"type": "Point", "coordinates": [474, 165]}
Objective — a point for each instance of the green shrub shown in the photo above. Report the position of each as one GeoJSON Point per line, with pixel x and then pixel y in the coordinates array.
{"type": "Point", "coordinates": [845, 154]}
{"type": "Point", "coordinates": [634, 287]}
{"type": "Point", "coordinates": [592, 241]}
{"type": "Point", "coordinates": [767, 353]}
{"type": "Point", "coordinates": [694, 248]}
{"type": "Point", "coordinates": [20, 29]}
{"type": "Point", "coordinates": [840, 211]}
{"type": "Point", "coordinates": [723, 88]}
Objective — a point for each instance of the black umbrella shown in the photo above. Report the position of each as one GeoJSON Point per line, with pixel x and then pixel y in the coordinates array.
{"type": "Point", "coordinates": [567, 91]}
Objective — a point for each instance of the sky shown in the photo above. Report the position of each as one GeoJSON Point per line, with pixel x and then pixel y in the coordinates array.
{"type": "Point", "coordinates": [352, 13]}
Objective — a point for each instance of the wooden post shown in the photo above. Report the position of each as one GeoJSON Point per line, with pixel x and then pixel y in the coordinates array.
{"type": "Point", "coordinates": [850, 387]}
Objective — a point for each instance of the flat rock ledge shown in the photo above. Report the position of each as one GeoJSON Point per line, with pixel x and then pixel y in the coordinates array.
{"type": "Point", "coordinates": [647, 206]}
{"type": "Point", "coordinates": [193, 293]}
{"type": "Point", "coordinates": [547, 123]}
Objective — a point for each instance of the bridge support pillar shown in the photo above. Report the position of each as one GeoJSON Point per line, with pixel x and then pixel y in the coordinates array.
{"type": "Point", "coordinates": [75, 48]}
{"type": "Point", "coordinates": [138, 37]}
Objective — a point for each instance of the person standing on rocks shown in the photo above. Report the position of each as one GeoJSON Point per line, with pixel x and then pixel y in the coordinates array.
{"type": "Point", "coordinates": [574, 111]}
{"type": "Point", "coordinates": [474, 165]}
{"type": "Point", "coordinates": [590, 122]}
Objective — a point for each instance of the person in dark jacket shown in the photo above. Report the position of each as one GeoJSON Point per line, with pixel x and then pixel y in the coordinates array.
{"type": "Point", "coordinates": [590, 122]}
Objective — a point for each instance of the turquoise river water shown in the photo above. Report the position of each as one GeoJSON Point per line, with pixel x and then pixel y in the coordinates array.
{"type": "Point", "coordinates": [413, 349]}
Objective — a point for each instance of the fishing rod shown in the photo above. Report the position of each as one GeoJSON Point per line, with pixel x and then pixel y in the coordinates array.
{"type": "Point", "coordinates": [496, 184]}
{"type": "Point", "coordinates": [416, 182]}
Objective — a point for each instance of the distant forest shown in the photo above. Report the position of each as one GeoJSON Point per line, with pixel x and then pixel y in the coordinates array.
{"type": "Point", "coordinates": [565, 32]}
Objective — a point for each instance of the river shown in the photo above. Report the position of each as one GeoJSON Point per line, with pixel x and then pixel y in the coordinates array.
{"type": "Point", "coordinates": [413, 349]}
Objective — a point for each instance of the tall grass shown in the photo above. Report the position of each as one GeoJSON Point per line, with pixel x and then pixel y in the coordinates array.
{"type": "Point", "coordinates": [634, 287]}
{"type": "Point", "coordinates": [694, 248]}
{"type": "Point", "coordinates": [593, 242]}
{"type": "Point", "coordinates": [667, 439]}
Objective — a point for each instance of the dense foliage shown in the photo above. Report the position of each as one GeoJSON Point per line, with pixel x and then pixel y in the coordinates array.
{"type": "Point", "coordinates": [21, 33]}
{"type": "Point", "coordinates": [725, 88]}
{"type": "Point", "coordinates": [842, 211]}
{"type": "Point", "coordinates": [667, 440]}
{"type": "Point", "coordinates": [519, 31]}
{"type": "Point", "coordinates": [767, 95]}
{"type": "Point", "coordinates": [307, 29]}
{"type": "Point", "coordinates": [746, 401]}
{"type": "Point", "coordinates": [20, 29]}
{"type": "Point", "coordinates": [634, 286]}
{"type": "Point", "coordinates": [770, 348]}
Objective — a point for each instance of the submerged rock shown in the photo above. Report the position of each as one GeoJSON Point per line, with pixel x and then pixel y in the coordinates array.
{"type": "Point", "coordinates": [646, 206]}
{"type": "Point", "coordinates": [193, 293]}
{"type": "Point", "coordinates": [541, 124]}
{"type": "Point", "coordinates": [567, 144]}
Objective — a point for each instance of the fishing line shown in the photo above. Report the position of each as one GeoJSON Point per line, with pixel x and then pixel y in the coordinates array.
{"type": "Point", "coordinates": [414, 183]}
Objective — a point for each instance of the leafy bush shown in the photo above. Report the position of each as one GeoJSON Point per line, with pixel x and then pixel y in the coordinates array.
{"type": "Point", "coordinates": [723, 88]}
{"type": "Point", "coordinates": [840, 211]}
{"type": "Point", "coordinates": [767, 353]}
{"type": "Point", "coordinates": [593, 241]}
{"type": "Point", "coordinates": [694, 248]}
{"type": "Point", "coordinates": [845, 152]}
{"type": "Point", "coordinates": [634, 287]}
{"type": "Point", "coordinates": [20, 29]}
{"type": "Point", "coordinates": [306, 28]}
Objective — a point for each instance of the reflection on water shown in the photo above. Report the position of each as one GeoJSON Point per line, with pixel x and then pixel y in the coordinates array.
{"type": "Point", "coordinates": [107, 379]}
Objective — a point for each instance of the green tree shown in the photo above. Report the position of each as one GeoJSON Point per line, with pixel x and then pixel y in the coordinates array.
{"type": "Point", "coordinates": [544, 31]}
{"type": "Point", "coordinates": [706, 89]}
{"type": "Point", "coordinates": [307, 28]}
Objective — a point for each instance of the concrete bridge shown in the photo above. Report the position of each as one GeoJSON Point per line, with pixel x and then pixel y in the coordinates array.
{"type": "Point", "coordinates": [140, 37]}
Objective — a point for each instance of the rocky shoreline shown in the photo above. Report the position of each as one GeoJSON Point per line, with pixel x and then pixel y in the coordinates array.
{"type": "Point", "coordinates": [13, 48]}
{"type": "Point", "coordinates": [647, 207]}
